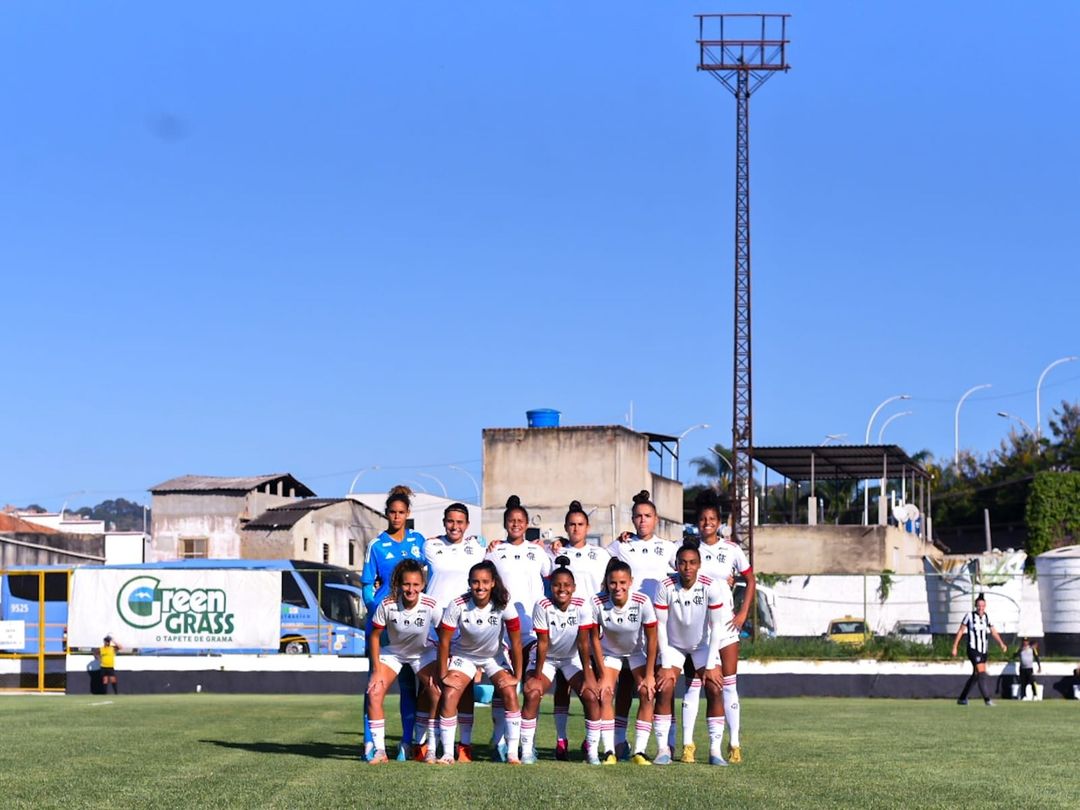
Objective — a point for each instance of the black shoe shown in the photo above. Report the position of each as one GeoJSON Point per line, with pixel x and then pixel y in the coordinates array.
{"type": "Point", "coordinates": [962, 702]}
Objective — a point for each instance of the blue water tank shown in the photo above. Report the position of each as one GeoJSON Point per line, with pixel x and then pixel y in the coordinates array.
{"type": "Point", "coordinates": [542, 417]}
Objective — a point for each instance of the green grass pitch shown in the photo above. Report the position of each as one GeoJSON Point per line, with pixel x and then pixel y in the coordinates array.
{"type": "Point", "coordinates": [302, 751]}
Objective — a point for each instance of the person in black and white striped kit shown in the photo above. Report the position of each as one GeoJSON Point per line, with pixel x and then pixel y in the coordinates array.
{"type": "Point", "coordinates": [979, 630]}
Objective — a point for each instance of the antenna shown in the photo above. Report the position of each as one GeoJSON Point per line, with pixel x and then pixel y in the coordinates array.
{"type": "Point", "coordinates": [742, 52]}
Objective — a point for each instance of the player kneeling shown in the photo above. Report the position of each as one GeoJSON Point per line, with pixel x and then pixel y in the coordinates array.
{"type": "Point", "coordinates": [555, 622]}
{"type": "Point", "coordinates": [478, 619]}
{"type": "Point", "coordinates": [693, 613]}
{"type": "Point", "coordinates": [406, 616]}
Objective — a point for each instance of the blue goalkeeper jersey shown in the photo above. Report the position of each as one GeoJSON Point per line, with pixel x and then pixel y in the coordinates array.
{"type": "Point", "coordinates": [383, 555]}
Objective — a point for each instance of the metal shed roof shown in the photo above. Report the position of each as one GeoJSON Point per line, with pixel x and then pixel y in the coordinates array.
{"type": "Point", "coordinates": [843, 461]}
{"type": "Point", "coordinates": [287, 515]}
{"type": "Point", "coordinates": [217, 483]}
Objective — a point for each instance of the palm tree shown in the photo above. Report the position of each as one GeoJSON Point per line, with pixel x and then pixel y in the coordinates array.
{"type": "Point", "coordinates": [715, 467]}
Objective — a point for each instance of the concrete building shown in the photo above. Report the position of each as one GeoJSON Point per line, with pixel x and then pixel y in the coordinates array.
{"type": "Point", "coordinates": [328, 530]}
{"type": "Point", "coordinates": [24, 543]}
{"type": "Point", "coordinates": [826, 549]}
{"type": "Point", "coordinates": [601, 466]}
{"type": "Point", "coordinates": [427, 511]}
{"type": "Point", "coordinates": [65, 522]}
{"type": "Point", "coordinates": [202, 516]}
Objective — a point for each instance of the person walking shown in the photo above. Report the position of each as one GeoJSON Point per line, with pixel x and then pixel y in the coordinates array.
{"type": "Point", "coordinates": [979, 630]}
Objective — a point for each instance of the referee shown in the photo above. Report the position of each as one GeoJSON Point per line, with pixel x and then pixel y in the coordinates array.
{"type": "Point", "coordinates": [979, 629]}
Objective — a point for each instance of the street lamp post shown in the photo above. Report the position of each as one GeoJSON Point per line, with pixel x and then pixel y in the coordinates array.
{"type": "Point", "coordinates": [1023, 424]}
{"type": "Point", "coordinates": [1038, 390]}
{"type": "Point", "coordinates": [956, 421]}
{"type": "Point", "coordinates": [442, 486]}
{"type": "Point", "coordinates": [465, 472]}
{"type": "Point", "coordinates": [356, 477]}
{"type": "Point", "coordinates": [833, 437]}
{"type": "Point", "coordinates": [869, 425]}
{"type": "Point", "coordinates": [881, 432]}
{"type": "Point", "coordinates": [674, 468]}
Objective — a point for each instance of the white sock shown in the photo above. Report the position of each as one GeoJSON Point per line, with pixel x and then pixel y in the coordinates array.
{"type": "Point", "coordinates": [621, 722]}
{"type": "Point", "coordinates": [562, 715]}
{"type": "Point", "coordinates": [715, 725]}
{"type": "Point", "coordinates": [641, 736]}
{"type": "Point", "coordinates": [433, 734]}
{"type": "Point", "coordinates": [731, 710]}
{"type": "Point", "coordinates": [447, 729]}
{"type": "Point", "coordinates": [378, 734]}
{"type": "Point", "coordinates": [513, 734]}
{"type": "Point", "coordinates": [690, 703]}
{"type": "Point", "coordinates": [420, 728]}
{"type": "Point", "coordinates": [662, 726]}
{"type": "Point", "coordinates": [465, 721]}
{"type": "Point", "coordinates": [592, 736]}
{"type": "Point", "coordinates": [607, 735]}
{"type": "Point", "coordinates": [528, 735]}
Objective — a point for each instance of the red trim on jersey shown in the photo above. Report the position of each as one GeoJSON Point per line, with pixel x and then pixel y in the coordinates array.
{"type": "Point", "coordinates": [714, 607]}
{"type": "Point", "coordinates": [380, 626]}
{"type": "Point", "coordinates": [638, 597]}
{"type": "Point", "coordinates": [660, 607]}
{"type": "Point", "coordinates": [704, 580]}
{"type": "Point", "coordinates": [448, 626]}
{"type": "Point", "coordinates": [513, 624]}
{"type": "Point", "coordinates": [650, 624]}
{"type": "Point", "coordinates": [543, 630]}
{"type": "Point", "coordinates": [545, 602]}
{"type": "Point", "coordinates": [586, 626]}
{"type": "Point", "coordinates": [427, 601]}
{"type": "Point", "coordinates": [577, 601]}
{"type": "Point", "coordinates": [748, 569]}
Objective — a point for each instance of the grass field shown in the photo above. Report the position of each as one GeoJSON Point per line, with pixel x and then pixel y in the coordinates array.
{"type": "Point", "coordinates": [292, 751]}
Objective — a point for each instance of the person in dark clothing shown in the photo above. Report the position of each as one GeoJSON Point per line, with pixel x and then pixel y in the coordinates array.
{"type": "Point", "coordinates": [979, 630]}
{"type": "Point", "coordinates": [1029, 659]}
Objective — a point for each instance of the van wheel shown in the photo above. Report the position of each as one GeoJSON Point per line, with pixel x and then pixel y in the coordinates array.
{"type": "Point", "coordinates": [294, 646]}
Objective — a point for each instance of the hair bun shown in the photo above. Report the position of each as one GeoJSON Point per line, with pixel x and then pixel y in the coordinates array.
{"type": "Point", "coordinates": [575, 506]}
{"type": "Point", "coordinates": [401, 489]}
{"type": "Point", "coordinates": [513, 502]}
{"type": "Point", "coordinates": [642, 497]}
{"type": "Point", "coordinates": [707, 498]}
{"type": "Point", "coordinates": [562, 561]}
{"type": "Point", "coordinates": [692, 542]}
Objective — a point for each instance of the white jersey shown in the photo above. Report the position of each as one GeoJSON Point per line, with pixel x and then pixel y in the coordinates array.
{"type": "Point", "coordinates": [589, 564]}
{"type": "Point", "coordinates": [685, 611]}
{"type": "Point", "coordinates": [406, 629]}
{"type": "Point", "coordinates": [649, 561]}
{"type": "Point", "coordinates": [721, 560]}
{"type": "Point", "coordinates": [522, 568]}
{"type": "Point", "coordinates": [450, 564]}
{"type": "Point", "coordinates": [621, 626]}
{"type": "Point", "coordinates": [480, 628]}
{"type": "Point", "coordinates": [560, 626]}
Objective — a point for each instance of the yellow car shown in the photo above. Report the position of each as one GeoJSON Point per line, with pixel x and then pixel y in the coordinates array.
{"type": "Point", "coordinates": [848, 630]}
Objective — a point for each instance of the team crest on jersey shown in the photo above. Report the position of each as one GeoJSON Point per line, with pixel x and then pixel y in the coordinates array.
{"type": "Point", "coordinates": [468, 550]}
{"type": "Point", "coordinates": [530, 556]}
{"type": "Point", "coordinates": [592, 555]}
{"type": "Point", "coordinates": [698, 599]}
{"type": "Point", "coordinates": [415, 552]}
{"type": "Point", "coordinates": [633, 615]}
{"type": "Point", "coordinates": [658, 550]}
{"type": "Point", "coordinates": [493, 620]}
{"type": "Point", "coordinates": [419, 621]}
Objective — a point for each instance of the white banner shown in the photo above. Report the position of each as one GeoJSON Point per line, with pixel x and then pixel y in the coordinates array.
{"type": "Point", "coordinates": [176, 609]}
{"type": "Point", "coordinates": [13, 635]}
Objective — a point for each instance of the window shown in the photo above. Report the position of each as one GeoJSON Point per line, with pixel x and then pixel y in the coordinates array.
{"type": "Point", "coordinates": [352, 554]}
{"type": "Point", "coordinates": [305, 544]}
{"type": "Point", "coordinates": [326, 552]}
{"type": "Point", "coordinates": [192, 548]}
{"type": "Point", "coordinates": [290, 590]}
{"type": "Point", "coordinates": [25, 586]}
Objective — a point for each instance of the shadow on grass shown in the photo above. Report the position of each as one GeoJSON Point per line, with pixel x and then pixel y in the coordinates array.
{"type": "Point", "coordinates": [317, 750]}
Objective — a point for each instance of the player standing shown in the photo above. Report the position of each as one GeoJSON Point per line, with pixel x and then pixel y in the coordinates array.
{"type": "Point", "coordinates": [979, 629]}
{"type": "Point", "coordinates": [471, 641]}
{"type": "Point", "coordinates": [407, 616]}
{"type": "Point", "coordinates": [694, 624]}
{"type": "Point", "coordinates": [396, 543]}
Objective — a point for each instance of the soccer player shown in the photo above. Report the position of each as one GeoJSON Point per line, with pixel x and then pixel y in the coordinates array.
{"type": "Point", "coordinates": [450, 556]}
{"type": "Point", "coordinates": [649, 558]}
{"type": "Point", "coordinates": [392, 546]}
{"type": "Point", "coordinates": [720, 559]}
{"type": "Point", "coordinates": [470, 641]}
{"type": "Point", "coordinates": [555, 622]}
{"type": "Point", "coordinates": [588, 564]}
{"type": "Point", "coordinates": [407, 616]}
{"type": "Point", "coordinates": [523, 566]}
{"type": "Point", "coordinates": [619, 627]}
{"type": "Point", "coordinates": [693, 624]}
{"type": "Point", "coordinates": [979, 629]}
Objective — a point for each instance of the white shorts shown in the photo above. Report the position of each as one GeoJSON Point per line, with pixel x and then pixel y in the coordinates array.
{"type": "Point", "coordinates": [471, 665]}
{"type": "Point", "coordinates": [414, 662]}
{"type": "Point", "coordinates": [636, 660]}
{"type": "Point", "coordinates": [674, 658]}
{"type": "Point", "coordinates": [569, 667]}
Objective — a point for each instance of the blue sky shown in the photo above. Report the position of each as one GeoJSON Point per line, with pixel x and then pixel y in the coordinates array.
{"type": "Point", "coordinates": [252, 237]}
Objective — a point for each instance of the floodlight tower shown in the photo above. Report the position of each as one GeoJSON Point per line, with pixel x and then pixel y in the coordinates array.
{"type": "Point", "coordinates": [742, 51]}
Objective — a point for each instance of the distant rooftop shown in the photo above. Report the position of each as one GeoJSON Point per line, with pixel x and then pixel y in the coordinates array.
{"type": "Point", "coordinates": [216, 483]}
{"type": "Point", "coordinates": [11, 523]}
{"type": "Point", "coordinates": [839, 461]}
{"type": "Point", "coordinates": [287, 515]}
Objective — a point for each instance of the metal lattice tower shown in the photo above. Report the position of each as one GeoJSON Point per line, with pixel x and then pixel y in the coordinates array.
{"type": "Point", "coordinates": [742, 51]}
